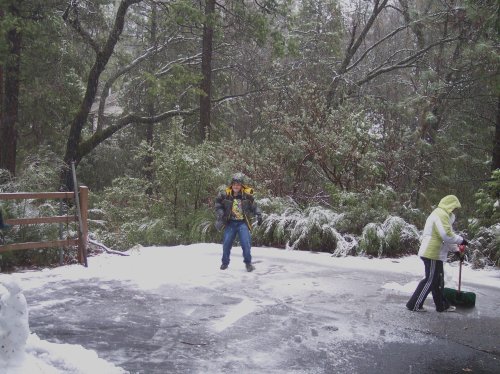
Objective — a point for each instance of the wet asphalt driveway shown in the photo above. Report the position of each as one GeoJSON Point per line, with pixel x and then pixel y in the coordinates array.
{"type": "Point", "coordinates": [283, 318]}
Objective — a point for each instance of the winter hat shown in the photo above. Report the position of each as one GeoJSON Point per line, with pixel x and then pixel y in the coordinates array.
{"type": "Point", "coordinates": [238, 178]}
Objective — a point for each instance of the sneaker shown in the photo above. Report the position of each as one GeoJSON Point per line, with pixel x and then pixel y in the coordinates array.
{"type": "Point", "coordinates": [250, 267]}
{"type": "Point", "coordinates": [451, 308]}
{"type": "Point", "coordinates": [223, 266]}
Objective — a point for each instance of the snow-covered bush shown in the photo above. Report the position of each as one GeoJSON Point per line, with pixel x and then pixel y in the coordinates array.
{"type": "Point", "coordinates": [371, 240]}
{"type": "Point", "coordinates": [14, 327]}
{"type": "Point", "coordinates": [484, 249]}
{"type": "Point", "coordinates": [203, 227]}
{"type": "Point", "coordinates": [280, 216]}
{"type": "Point", "coordinates": [176, 207]}
{"type": "Point", "coordinates": [39, 173]}
{"type": "Point", "coordinates": [126, 216]}
{"type": "Point", "coordinates": [361, 208]}
{"type": "Point", "coordinates": [400, 237]}
{"type": "Point", "coordinates": [312, 229]}
{"type": "Point", "coordinates": [487, 201]}
{"type": "Point", "coordinates": [122, 208]}
{"type": "Point", "coordinates": [393, 238]}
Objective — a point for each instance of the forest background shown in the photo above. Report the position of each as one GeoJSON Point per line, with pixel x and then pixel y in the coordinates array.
{"type": "Point", "coordinates": [350, 119]}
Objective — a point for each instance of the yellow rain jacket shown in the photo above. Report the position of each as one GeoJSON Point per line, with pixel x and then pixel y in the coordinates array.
{"type": "Point", "coordinates": [438, 237]}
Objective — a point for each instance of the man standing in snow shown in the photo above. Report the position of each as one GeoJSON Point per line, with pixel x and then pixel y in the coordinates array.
{"type": "Point", "coordinates": [233, 206]}
{"type": "Point", "coordinates": [437, 240]}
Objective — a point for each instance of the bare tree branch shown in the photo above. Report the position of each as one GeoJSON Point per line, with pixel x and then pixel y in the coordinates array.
{"type": "Point", "coordinates": [388, 36]}
{"type": "Point", "coordinates": [408, 61]}
{"type": "Point", "coordinates": [231, 97]}
{"type": "Point", "coordinates": [353, 47]}
{"type": "Point", "coordinates": [85, 147]}
{"type": "Point", "coordinates": [168, 67]}
{"type": "Point", "coordinates": [102, 57]}
{"type": "Point", "coordinates": [148, 53]}
{"type": "Point", "coordinates": [107, 86]}
{"type": "Point", "coordinates": [71, 17]}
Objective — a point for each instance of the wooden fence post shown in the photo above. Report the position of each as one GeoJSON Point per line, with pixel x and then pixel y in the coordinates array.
{"type": "Point", "coordinates": [81, 219]}
{"type": "Point", "coordinates": [84, 230]}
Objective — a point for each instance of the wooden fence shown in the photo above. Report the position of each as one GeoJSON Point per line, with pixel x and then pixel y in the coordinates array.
{"type": "Point", "coordinates": [81, 242]}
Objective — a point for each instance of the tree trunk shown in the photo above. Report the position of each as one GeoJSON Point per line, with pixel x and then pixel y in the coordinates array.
{"type": "Point", "coordinates": [10, 103]}
{"type": "Point", "coordinates": [206, 70]}
{"type": "Point", "coordinates": [1, 117]}
{"type": "Point", "coordinates": [150, 107]}
{"type": "Point", "coordinates": [103, 55]}
{"type": "Point", "coordinates": [496, 147]}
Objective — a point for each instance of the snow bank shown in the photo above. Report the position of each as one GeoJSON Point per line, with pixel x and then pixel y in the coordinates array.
{"type": "Point", "coordinates": [23, 353]}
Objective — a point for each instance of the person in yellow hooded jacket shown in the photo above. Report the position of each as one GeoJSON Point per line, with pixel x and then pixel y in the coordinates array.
{"type": "Point", "coordinates": [234, 207]}
{"type": "Point", "coordinates": [438, 239]}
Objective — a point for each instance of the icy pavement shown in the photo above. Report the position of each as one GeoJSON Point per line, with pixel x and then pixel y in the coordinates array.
{"type": "Point", "coordinates": [171, 310]}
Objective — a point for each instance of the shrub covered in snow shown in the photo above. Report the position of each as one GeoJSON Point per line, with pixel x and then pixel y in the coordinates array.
{"type": "Point", "coordinates": [394, 237]}
{"type": "Point", "coordinates": [487, 201]}
{"type": "Point", "coordinates": [312, 228]}
{"type": "Point", "coordinates": [371, 240]}
{"type": "Point", "coordinates": [371, 205]}
{"type": "Point", "coordinates": [40, 173]}
{"type": "Point", "coordinates": [14, 329]}
{"type": "Point", "coordinates": [484, 249]}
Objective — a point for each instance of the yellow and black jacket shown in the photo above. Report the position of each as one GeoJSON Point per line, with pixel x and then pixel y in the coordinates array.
{"type": "Point", "coordinates": [224, 204]}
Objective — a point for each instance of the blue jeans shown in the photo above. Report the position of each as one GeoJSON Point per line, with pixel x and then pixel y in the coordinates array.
{"type": "Point", "coordinates": [233, 228]}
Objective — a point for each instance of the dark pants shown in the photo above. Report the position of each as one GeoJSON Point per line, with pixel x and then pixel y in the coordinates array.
{"type": "Point", "coordinates": [433, 282]}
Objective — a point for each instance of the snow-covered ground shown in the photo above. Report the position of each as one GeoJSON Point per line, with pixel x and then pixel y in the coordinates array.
{"type": "Point", "coordinates": [184, 266]}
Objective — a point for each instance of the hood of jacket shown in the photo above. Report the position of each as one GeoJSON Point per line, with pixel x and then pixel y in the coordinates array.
{"type": "Point", "coordinates": [244, 189]}
{"type": "Point", "coordinates": [448, 203]}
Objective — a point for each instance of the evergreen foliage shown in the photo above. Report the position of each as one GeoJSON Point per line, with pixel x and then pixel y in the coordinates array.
{"type": "Point", "coordinates": [393, 238]}
{"type": "Point", "coordinates": [487, 203]}
{"type": "Point", "coordinates": [484, 249]}
{"type": "Point", "coordinates": [40, 172]}
{"type": "Point", "coordinates": [312, 228]}
{"type": "Point", "coordinates": [348, 138]}
{"type": "Point", "coordinates": [180, 208]}
{"type": "Point", "coordinates": [485, 227]}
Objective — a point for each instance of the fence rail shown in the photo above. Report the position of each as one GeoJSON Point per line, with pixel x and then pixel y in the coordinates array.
{"type": "Point", "coordinates": [81, 242]}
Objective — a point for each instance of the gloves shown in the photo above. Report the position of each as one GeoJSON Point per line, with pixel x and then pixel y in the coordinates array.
{"type": "Point", "coordinates": [219, 216]}
{"type": "Point", "coordinates": [220, 221]}
{"type": "Point", "coordinates": [461, 251]}
{"type": "Point", "coordinates": [219, 224]}
{"type": "Point", "coordinates": [464, 242]}
{"type": "Point", "coordinates": [259, 220]}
